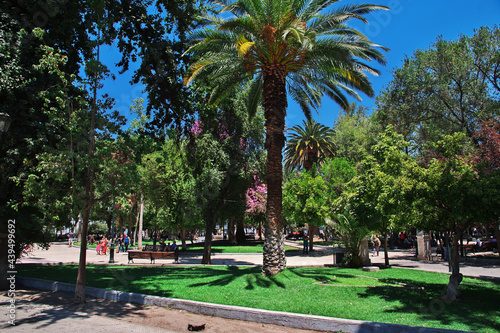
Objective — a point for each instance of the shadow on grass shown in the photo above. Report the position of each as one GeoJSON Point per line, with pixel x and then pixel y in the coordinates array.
{"type": "Point", "coordinates": [160, 281]}
{"type": "Point", "coordinates": [478, 306]}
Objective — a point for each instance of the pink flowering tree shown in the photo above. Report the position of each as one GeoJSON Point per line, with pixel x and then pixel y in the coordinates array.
{"type": "Point", "coordinates": [197, 128]}
{"type": "Point", "coordinates": [256, 199]}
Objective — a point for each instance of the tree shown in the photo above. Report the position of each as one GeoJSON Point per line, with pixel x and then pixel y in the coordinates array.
{"type": "Point", "coordinates": [385, 183]}
{"type": "Point", "coordinates": [445, 89]}
{"type": "Point", "coordinates": [256, 203]}
{"type": "Point", "coordinates": [307, 145]}
{"type": "Point", "coordinates": [310, 145]}
{"type": "Point", "coordinates": [485, 45]}
{"type": "Point", "coordinates": [441, 194]}
{"type": "Point", "coordinates": [169, 186]}
{"type": "Point", "coordinates": [225, 150]}
{"type": "Point", "coordinates": [352, 231]}
{"type": "Point", "coordinates": [487, 156]}
{"type": "Point", "coordinates": [283, 45]}
{"type": "Point", "coordinates": [355, 133]}
{"type": "Point", "coordinates": [338, 172]}
{"type": "Point", "coordinates": [305, 200]}
{"type": "Point", "coordinates": [135, 25]}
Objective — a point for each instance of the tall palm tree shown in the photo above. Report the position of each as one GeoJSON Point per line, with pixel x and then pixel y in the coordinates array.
{"type": "Point", "coordinates": [306, 146]}
{"type": "Point", "coordinates": [294, 46]}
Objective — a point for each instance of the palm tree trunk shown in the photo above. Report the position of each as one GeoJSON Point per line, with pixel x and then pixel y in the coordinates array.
{"type": "Point", "coordinates": [275, 103]}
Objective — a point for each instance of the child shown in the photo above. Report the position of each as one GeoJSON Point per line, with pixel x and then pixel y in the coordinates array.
{"type": "Point", "coordinates": [104, 246]}
{"type": "Point", "coordinates": [98, 248]}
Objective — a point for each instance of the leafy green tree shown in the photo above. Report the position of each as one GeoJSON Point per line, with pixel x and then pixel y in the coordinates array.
{"type": "Point", "coordinates": [442, 195]}
{"type": "Point", "coordinates": [355, 133]}
{"type": "Point", "coordinates": [487, 155]}
{"type": "Point", "coordinates": [226, 150]}
{"type": "Point", "coordinates": [169, 186]}
{"type": "Point", "coordinates": [307, 146]}
{"type": "Point", "coordinates": [283, 45]}
{"type": "Point", "coordinates": [98, 228]}
{"type": "Point", "coordinates": [305, 200]}
{"type": "Point", "coordinates": [136, 28]}
{"type": "Point", "coordinates": [337, 173]}
{"type": "Point", "coordinates": [385, 184]}
{"type": "Point", "coordinates": [442, 90]}
{"type": "Point", "coordinates": [485, 45]}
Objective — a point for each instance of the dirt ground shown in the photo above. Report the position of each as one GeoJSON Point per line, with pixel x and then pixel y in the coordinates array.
{"type": "Point", "coordinates": [147, 316]}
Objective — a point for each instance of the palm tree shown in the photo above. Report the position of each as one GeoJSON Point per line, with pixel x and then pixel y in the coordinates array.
{"type": "Point", "coordinates": [310, 144]}
{"type": "Point", "coordinates": [285, 48]}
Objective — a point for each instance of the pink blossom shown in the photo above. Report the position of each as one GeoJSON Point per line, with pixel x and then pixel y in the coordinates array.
{"type": "Point", "coordinates": [256, 198]}
{"type": "Point", "coordinates": [197, 128]}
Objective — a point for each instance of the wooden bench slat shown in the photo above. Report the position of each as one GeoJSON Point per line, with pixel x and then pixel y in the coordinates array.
{"type": "Point", "coordinates": [152, 255]}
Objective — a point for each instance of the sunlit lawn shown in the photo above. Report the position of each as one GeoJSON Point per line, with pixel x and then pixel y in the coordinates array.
{"type": "Point", "coordinates": [393, 295]}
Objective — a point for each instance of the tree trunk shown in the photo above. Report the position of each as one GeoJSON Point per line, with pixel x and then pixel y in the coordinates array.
{"type": "Point", "coordinates": [80, 280]}
{"type": "Point", "coordinates": [275, 103]}
{"type": "Point", "coordinates": [496, 228]}
{"type": "Point", "coordinates": [311, 237]}
{"type": "Point", "coordinates": [88, 202]}
{"type": "Point", "coordinates": [183, 239]}
{"type": "Point", "coordinates": [207, 249]}
{"type": "Point", "coordinates": [455, 277]}
{"type": "Point", "coordinates": [386, 250]}
{"type": "Point", "coordinates": [240, 232]}
{"type": "Point", "coordinates": [4, 258]}
{"type": "Point", "coordinates": [230, 232]}
{"type": "Point", "coordinates": [141, 214]}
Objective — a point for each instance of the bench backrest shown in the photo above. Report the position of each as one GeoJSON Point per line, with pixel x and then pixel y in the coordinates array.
{"type": "Point", "coordinates": [150, 248]}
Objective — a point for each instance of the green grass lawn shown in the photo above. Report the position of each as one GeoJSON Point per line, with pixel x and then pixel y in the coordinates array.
{"type": "Point", "coordinates": [393, 295]}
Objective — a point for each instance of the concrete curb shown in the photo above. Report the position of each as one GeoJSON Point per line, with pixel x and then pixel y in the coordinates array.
{"type": "Point", "coordinates": [286, 319]}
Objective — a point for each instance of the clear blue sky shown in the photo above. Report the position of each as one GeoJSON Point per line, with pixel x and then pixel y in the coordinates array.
{"type": "Point", "coordinates": [408, 26]}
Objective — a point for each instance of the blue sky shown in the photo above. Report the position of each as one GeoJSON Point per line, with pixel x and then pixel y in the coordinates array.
{"type": "Point", "coordinates": [408, 26]}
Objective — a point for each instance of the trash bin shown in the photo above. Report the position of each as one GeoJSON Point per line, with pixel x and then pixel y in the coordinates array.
{"type": "Point", "coordinates": [338, 256]}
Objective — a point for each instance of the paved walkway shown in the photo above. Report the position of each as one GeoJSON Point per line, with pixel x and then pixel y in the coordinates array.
{"type": "Point", "coordinates": [471, 266]}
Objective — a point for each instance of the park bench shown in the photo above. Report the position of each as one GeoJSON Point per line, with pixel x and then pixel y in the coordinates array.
{"type": "Point", "coordinates": [152, 255]}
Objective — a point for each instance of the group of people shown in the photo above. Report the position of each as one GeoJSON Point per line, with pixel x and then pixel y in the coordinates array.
{"type": "Point", "coordinates": [168, 247]}
{"type": "Point", "coordinates": [122, 242]}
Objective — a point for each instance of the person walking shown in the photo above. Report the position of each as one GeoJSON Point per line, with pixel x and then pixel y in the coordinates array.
{"type": "Point", "coordinates": [376, 244]}
{"type": "Point", "coordinates": [126, 241]}
{"type": "Point", "coordinates": [104, 246]}
{"type": "Point", "coordinates": [305, 249]}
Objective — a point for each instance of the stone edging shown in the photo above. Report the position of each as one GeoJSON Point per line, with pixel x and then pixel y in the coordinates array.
{"type": "Point", "coordinates": [286, 319]}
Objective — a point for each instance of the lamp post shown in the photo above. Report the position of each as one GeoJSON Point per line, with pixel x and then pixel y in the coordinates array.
{"type": "Point", "coordinates": [112, 248]}
{"type": "Point", "coordinates": [4, 283]}
{"type": "Point", "coordinates": [4, 122]}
